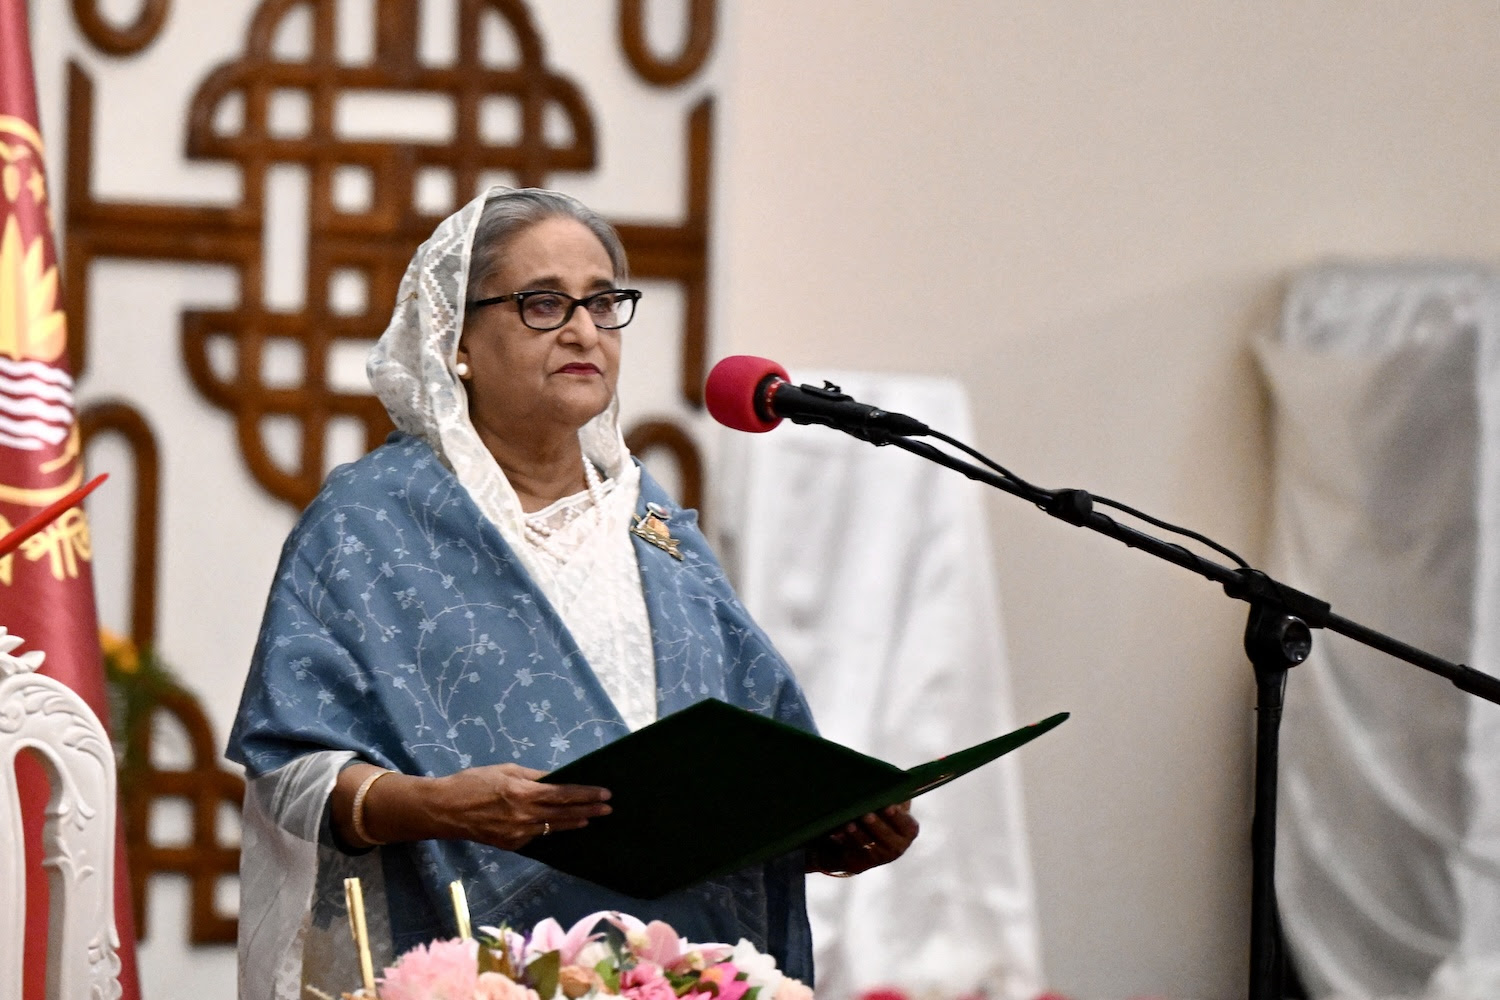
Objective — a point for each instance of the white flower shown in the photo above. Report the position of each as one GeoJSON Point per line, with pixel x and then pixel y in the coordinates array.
{"type": "Point", "coordinates": [760, 970]}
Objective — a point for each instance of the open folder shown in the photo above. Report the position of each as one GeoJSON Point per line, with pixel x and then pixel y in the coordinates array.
{"type": "Point", "coordinates": [713, 789]}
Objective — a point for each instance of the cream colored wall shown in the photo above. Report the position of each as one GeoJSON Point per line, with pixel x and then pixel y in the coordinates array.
{"type": "Point", "coordinates": [1083, 210]}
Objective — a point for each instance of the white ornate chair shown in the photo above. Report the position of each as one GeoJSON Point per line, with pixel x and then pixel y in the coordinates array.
{"type": "Point", "coordinates": [50, 719]}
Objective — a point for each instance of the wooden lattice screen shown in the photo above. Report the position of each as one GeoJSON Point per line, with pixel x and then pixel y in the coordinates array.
{"type": "Point", "coordinates": [362, 243]}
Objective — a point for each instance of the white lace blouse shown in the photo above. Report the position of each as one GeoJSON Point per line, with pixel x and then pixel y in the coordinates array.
{"type": "Point", "coordinates": [580, 553]}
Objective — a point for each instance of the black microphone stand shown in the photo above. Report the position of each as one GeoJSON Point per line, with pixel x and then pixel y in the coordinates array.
{"type": "Point", "coordinates": [1278, 636]}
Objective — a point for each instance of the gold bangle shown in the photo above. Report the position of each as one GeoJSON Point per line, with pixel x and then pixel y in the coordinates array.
{"type": "Point", "coordinates": [359, 808]}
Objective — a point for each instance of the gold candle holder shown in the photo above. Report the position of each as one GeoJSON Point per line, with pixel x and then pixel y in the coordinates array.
{"type": "Point", "coordinates": [354, 897]}
{"type": "Point", "coordinates": [460, 909]}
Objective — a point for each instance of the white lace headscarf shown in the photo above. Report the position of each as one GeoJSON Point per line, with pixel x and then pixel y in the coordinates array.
{"type": "Point", "coordinates": [411, 369]}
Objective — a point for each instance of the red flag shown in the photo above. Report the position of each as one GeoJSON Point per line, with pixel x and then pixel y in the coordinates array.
{"type": "Point", "coordinates": [46, 587]}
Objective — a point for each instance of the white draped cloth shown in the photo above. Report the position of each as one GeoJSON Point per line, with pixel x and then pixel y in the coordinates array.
{"type": "Point", "coordinates": [870, 569]}
{"type": "Point", "coordinates": [1385, 384]}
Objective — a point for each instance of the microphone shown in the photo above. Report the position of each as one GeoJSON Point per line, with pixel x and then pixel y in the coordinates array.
{"type": "Point", "coordinates": [754, 394]}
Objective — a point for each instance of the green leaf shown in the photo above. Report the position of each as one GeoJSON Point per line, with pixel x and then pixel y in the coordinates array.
{"type": "Point", "coordinates": [544, 973]}
{"type": "Point", "coordinates": [493, 956]}
{"type": "Point", "coordinates": [687, 982]}
{"type": "Point", "coordinates": [610, 973]}
{"type": "Point", "coordinates": [495, 960]}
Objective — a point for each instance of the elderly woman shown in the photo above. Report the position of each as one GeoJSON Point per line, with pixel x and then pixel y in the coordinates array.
{"type": "Point", "coordinates": [467, 607]}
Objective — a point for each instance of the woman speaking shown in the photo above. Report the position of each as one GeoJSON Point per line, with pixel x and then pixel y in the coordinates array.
{"type": "Point", "coordinates": [467, 607]}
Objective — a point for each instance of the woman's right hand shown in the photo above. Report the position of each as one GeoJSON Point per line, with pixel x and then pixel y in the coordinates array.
{"type": "Point", "coordinates": [503, 805]}
{"type": "Point", "coordinates": [506, 805]}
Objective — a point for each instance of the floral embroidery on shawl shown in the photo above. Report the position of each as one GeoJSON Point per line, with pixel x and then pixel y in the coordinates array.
{"type": "Point", "coordinates": [402, 627]}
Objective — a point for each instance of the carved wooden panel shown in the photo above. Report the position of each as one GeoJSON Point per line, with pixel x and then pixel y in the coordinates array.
{"type": "Point", "coordinates": [365, 239]}
{"type": "Point", "coordinates": [699, 42]}
{"type": "Point", "coordinates": [208, 856]}
{"type": "Point", "coordinates": [370, 244]}
{"type": "Point", "coordinates": [366, 243]}
{"type": "Point", "coordinates": [120, 418]}
{"type": "Point", "coordinates": [680, 252]}
{"type": "Point", "coordinates": [121, 41]}
{"type": "Point", "coordinates": [666, 435]}
{"type": "Point", "coordinates": [204, 784]}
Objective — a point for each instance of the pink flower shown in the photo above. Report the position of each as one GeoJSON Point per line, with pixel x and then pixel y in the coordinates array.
{"type": "Point", "coordinates": [443, 970]}
{"type": "Point", "coordinates": [657, 942]}
{"type": "Point", "coordinates": [646, 982]}
{"type": "Point", "coordinates": [493, 986]}
{"type": "Point", "coordinates": [723, 981]}
{"type": "Point", "coordinates": [549, 936]}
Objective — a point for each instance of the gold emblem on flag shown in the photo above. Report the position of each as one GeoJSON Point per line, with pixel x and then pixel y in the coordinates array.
{"type": "Point", "coordinates": [31, 325]}
{"type": "Point", "coordinates": [39, 441]}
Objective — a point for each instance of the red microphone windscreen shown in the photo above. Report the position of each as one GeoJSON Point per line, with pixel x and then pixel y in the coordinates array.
{"type": "Point", "coordinates": [730, 391]}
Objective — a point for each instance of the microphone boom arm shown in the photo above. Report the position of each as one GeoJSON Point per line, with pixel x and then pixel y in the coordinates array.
{"type": "Point", "coordinates": [754, 394]}
{"type": "Point", "coordinates": [1250, 585]}
{"type": "Point", "coordinates": [1277, 637]}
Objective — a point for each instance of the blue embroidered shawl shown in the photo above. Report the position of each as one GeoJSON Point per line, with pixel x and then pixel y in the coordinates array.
{"type": "Point", "coordinates": [401, 626]}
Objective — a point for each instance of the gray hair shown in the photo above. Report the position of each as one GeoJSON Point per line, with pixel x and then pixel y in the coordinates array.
{"type": "Point", "coordinates": [508, 214]}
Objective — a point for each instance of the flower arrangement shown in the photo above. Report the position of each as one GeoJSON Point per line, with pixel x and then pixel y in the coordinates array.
{"type": "Point", "coordinates": [645, 961]}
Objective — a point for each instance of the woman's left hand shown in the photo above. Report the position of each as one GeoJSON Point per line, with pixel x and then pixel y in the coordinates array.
{"type": "Point", "coordinates": [874, 839]}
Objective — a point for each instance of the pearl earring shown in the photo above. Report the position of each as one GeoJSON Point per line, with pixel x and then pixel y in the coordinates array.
{"type": "Point", "coordinates": [461, 369]}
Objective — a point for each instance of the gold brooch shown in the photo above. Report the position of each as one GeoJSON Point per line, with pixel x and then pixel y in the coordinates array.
{"type": "Point", "coordinates": [652, 527]}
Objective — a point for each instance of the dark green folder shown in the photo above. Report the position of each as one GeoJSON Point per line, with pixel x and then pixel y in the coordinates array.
{"type": "Point", "coordinates": [714, 788]}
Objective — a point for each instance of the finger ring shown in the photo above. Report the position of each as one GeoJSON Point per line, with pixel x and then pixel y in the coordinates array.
{"type": "Point", "coordinates": [546, 828]}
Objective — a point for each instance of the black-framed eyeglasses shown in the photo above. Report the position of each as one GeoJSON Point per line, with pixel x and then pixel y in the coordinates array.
{"type": "Point", "coordinates": [548, 310]}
